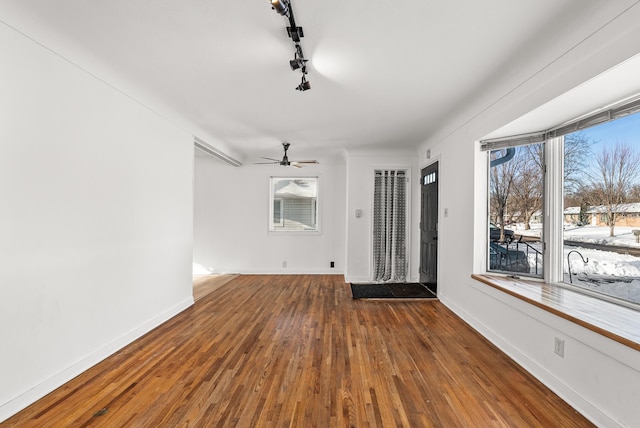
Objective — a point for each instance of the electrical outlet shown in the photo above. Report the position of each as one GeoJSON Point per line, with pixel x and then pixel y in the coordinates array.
{"type": "Point", "coordinates": [332, 264]}
{"type": "Point", "coordinates": [558, 347]}
{"type": "Point", "coordinates": [284, 263]}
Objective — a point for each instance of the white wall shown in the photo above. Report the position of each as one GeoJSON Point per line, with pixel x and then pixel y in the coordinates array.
{"type": "Point", "coordinates": [360, 176]}
{"type": "Point", "coordinates": [95, 222]}
{"type": "Point", "coordinates": [599, 377]}
{"type": "Point", "coordinates": [232, 211]}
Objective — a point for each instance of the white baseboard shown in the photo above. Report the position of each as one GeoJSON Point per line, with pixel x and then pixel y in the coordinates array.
{"type": "Point", "coordinates": [356, 279]}
{"type": "Point", "coordinates": [284, 271]}
{"type": "Point", "coordinates": [32, 395]}
{"type": "Point", "coordinates": [367, 280]}
{"type": "Point", "coordinates": [564, 391]}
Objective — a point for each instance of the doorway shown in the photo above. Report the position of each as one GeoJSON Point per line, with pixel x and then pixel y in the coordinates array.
{"type": "Point", "coordinates": [389, 226]}
{"type": "Point", "coordinates": [429, 227]}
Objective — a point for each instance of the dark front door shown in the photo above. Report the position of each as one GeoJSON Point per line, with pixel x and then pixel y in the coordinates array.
{"type": "Point", "coordinates": [429, 227]}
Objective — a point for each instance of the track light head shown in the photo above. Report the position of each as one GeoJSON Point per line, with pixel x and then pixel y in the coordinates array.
{"type": "Point", "coordinates": [298, 60]}
{"type": "Point", "coordinates": [281, 6]}
{"type": "Point", "coordinates": [304, 85]}
{"type": "Point", "coordinates": [297, 63]}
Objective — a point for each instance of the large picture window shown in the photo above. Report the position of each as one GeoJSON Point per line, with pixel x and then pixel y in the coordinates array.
{"type": "Point", "coordinates": [293, 204]}
{"type": "Point", "coordinates": [577, 208]}
{"type": "Point", "coordinates": [516, 195]}
{"type": "Point", "coordinates": [601, 227]}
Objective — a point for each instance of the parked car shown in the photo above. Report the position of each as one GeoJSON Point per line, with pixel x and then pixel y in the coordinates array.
{"type": "Point", "coordinates": [494, 234]}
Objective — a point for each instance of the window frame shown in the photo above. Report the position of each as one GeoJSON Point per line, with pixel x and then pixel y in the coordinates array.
{"type": "Point", "coordinates": [316, 206]}
{"type": "Point", "coordinates": [553, 190]}
{"type": "Point", "coordinates": [544, 232]}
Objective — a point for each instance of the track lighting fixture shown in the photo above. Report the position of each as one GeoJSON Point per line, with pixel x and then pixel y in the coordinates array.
{"type": "Point", "coordinates": [298, 61]}
{"type": "Point", "coordinates": [283, 7]}
{"type": "Point", "coordinates": [295, 33]}
{"type": "Point", "coordinates": [304, 85]}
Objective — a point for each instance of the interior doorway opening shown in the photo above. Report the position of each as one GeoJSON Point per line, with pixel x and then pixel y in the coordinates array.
{"type": "Point", "coordinates": [390, 225]}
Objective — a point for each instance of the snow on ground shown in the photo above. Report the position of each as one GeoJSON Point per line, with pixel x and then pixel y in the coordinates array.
{"type": "Point", "coordinates": [606, 271]}
{"type": "Point", "coordinates": [624, 236]}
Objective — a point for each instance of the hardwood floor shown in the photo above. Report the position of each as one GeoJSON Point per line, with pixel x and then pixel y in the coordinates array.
{"type": "Point", "coordinates": [205, 284]}
{"type": "Point", "coordinates": [298, 351]}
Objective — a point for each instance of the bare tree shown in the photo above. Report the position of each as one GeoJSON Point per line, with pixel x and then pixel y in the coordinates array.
{"type": "Point", "coordinates": [517, 185]}
{"type": "Point", "coordinates": [501, 180]}
{"type": "Point", "coordinates": [528, 183]}
{"type": "Point", "coordinates": [617, 170]}
{"type": "Point", "coordinates": [577, 152]}
{"type": "Point", "coordinates": [634, 193]}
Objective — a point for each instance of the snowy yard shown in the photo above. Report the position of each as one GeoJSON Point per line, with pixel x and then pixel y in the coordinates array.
{"type": "Point", "coordinates": [606, 271]}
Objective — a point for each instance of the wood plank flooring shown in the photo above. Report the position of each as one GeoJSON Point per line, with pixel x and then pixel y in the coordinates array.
{"type": "Point", "coordinates": [205, 284]}
{"type": "Point", "coordinates": [298, 351]}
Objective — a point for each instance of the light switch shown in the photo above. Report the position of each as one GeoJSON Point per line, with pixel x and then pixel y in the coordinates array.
{"type": "Point", "coordinates": [358, 213]}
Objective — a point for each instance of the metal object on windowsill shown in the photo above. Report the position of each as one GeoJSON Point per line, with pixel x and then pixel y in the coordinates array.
{"type": "Point", "coordinates": [585, 261]}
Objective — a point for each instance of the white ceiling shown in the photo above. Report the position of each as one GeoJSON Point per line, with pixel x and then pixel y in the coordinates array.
{"type": "Point", "coordinates": [616, 85]}
{"type": "Point", "coordinates": [382, 73]}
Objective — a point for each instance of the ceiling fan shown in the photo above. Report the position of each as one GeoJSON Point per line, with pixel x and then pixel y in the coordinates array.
{"type": "Point", "coordinates": [285, 159]}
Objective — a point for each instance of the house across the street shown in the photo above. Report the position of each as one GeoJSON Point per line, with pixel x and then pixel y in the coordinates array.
{"type": "Point", "coordinates": [625, 214]}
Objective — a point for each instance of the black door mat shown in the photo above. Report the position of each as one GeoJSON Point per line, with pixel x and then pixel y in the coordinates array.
{"type": "Point", "coordinates": [410, 290]}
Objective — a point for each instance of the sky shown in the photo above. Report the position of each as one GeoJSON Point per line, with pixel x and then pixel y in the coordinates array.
{"type": "Point", "coordinates": [625, 129]}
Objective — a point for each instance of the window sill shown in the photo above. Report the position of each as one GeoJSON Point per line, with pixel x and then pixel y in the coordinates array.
{"type": "Point", "coordinates": [294, 232]}
{"type": "Point", "coordinates": [608, 319]}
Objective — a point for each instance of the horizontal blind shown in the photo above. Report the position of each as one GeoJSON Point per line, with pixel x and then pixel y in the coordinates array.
{"type": "Point", "coordinates": [299, 211]}
{"type": "Point", "coordinates": [602, 116]}
{"type": "Point", "coordinates": [596, 119]}
{"type": "Point", "coordinates": [513, 141]}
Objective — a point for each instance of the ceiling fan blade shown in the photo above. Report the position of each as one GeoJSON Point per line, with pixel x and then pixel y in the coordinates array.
{"type": "Point", "coordinates": [285, 160]}
{"type": "Point", "coordinates": [266, 163]}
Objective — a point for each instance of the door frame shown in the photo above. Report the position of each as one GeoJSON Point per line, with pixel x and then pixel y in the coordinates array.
{"type": "Point", "coordinates": [422, 166]}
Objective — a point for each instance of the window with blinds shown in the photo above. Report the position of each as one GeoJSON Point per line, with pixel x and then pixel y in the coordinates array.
{"type": "Point", "coordinates": [293, 204]}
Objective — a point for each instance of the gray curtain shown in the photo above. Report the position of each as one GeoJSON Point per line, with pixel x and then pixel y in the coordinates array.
{"type": "Point", "coordinates": [389, 226]}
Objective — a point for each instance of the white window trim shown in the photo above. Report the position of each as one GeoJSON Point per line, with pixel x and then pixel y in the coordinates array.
{"type": "Point", "coordinates": [317, 231]}
{"type": "Point", "coordinates": [554, 203]}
